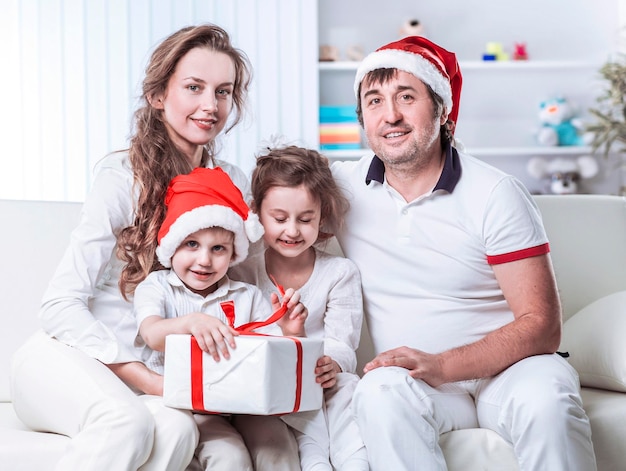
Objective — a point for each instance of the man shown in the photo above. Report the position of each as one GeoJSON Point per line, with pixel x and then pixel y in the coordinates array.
{"type": "Point", "coordinates": [459, 291]}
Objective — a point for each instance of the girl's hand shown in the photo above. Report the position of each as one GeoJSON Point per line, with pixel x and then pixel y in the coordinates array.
{"type": "Point", "coordinates": [212, 335]}
{"type": "Point", "coordinates": [326, 371]}
{"type": "Point", "coordinates": [292, 323]}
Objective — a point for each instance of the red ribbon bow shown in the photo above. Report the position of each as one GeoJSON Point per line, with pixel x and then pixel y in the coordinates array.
{"type": "Point", "coordinates": [197, 389]}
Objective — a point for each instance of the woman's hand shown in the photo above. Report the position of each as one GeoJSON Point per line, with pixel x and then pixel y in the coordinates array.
{"type": "Point", "coordinates": [326, 371]}
{"type": "Point", "coordinates": [138, 375]}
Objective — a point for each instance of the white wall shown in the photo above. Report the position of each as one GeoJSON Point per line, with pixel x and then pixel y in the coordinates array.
{"type": "Point", "coordinates": [72, 71]}
{"type": "Point", "coordinates": [554, 29]}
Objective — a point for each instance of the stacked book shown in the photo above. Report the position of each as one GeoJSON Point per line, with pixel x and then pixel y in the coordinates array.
{"type": "Point", "coordinates": [339, 128]}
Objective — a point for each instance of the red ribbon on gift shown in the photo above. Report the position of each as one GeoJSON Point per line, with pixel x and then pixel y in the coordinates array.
{"type": "Point", "coordinates": [197, 389]}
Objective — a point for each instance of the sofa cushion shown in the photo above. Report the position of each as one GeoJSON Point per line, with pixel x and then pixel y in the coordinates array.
{"type": "Point", "coordinates": [40, 235]}
{"type": "Point", "coordinates": [594, 338]}
{"type": "Point", "coordinates": [607, 413]}
{"type": "Point", "coordinates": [586, 234]}
{"type": "Point", "coordinates": [477, 448]}
{"type": "Point", "coordinates": [24, 450]}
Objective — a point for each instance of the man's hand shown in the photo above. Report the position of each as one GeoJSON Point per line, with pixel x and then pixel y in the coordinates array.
{"type": "Point", "coordinates": [421, 365]}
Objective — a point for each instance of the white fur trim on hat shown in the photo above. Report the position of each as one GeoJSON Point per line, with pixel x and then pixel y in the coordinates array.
{"type": "Point", "coordinates": [253, 227]}
{"type": "Point", "coordinates": [408, 62]}
{"type": "Point", "coordinates": [203, 217]}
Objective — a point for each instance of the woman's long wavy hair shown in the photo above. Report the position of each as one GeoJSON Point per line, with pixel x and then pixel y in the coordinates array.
{"type": "Point", "coordinates": [154, 157]}
{"type": "Point", "coordinates": [293, 166]}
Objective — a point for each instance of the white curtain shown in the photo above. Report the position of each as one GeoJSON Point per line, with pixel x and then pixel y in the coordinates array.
{"type": "Point", "coordinates": [71, 72]}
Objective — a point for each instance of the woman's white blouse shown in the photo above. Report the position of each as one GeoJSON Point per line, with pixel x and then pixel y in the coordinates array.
{"type": "Point", "coordinates": [83, 306]}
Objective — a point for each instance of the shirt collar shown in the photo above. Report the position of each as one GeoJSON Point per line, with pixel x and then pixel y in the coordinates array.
{"type": "Point", "coordinates": [223, 285]}
{"type": "Point", "coordinates": [450, 175]}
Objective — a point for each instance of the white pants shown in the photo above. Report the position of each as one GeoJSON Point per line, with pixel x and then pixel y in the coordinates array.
{"type": "Point", "coordinates": [56, 388]}
{"type": "Point", "coordinates": [534, 404]}
{"type": "Point", "coordinates": [331, 432]}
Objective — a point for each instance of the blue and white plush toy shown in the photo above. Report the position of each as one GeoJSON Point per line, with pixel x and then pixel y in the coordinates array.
{"type": "Point", "coordinates": [559, 127]}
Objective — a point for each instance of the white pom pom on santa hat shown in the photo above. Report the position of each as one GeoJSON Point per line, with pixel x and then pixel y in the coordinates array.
{"type": "Point", "coordinates": [204, 198]}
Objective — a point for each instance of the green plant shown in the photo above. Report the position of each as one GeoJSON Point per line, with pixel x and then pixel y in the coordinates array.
{"type": "Point", "coordinates": [609, 128]}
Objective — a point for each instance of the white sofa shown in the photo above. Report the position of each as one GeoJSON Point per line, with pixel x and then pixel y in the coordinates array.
{"type": "Point", "coordinates": [588, 240]}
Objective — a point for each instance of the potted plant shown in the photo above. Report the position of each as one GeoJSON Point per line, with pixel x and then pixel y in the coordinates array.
{"type": "Point", "coordinates": [609, 128]}
{"type": "Point", "coordinates": [609, 117]}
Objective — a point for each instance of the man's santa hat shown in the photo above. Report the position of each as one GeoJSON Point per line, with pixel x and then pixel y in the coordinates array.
{"type": "Point", "coordinates": [426, 60]}
{"type": "Point", "coordinates": [204, 198]}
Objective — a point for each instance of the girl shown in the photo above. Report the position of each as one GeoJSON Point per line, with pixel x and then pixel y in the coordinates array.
{"type": "Point", "coordinates": [97, 390]}
{"type": "Point", "coordinates": [295, 195]}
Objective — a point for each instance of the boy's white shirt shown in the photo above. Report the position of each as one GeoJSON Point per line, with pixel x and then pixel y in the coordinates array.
{"type": "Point", "coordinates": [163, 294]}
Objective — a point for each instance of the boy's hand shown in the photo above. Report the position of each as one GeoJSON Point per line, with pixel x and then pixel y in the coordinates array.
{"type": "Point", "coordinates": [326, 371]}
{"type": "Point", "coordinates": [292, 323]}
{"type": "Point", "coordinates": [212, 335]}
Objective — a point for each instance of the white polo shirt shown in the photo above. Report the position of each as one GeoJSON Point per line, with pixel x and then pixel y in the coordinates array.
{"type": "Point", "coordinates": [426, 264]}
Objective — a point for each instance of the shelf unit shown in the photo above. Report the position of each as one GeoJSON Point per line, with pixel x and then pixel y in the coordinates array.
{"type": "Point", "coordinates": [482, 65]}
{"type": "Point", "coordinates": [500, 101]}
{"type": "Point", "coordinates": [469, 67]}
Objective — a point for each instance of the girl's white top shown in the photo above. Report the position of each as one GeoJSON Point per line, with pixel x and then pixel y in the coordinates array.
{"type": "Point", "coordinates": [332, 296]}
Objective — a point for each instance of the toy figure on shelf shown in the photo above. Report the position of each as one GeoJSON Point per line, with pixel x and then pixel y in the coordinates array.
{"type": "Point", "coordinates": [495, 52]}
{"type": "Point", "coordinates": [328, 53]}
{"type": "Point", "coordinates": [519, 52]}
{"type": "Point", "coordinates": [411, 27]}
{"type": "Point", "coordinates": [559, 127]}
{"type": "Point", "coordinates": [563, 174]}
{"type": "Point", "coordinates": [355, 53]}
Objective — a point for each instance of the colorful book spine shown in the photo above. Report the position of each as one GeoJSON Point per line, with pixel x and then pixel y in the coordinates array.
{"type": "Point", "coordinates": [339, 128]}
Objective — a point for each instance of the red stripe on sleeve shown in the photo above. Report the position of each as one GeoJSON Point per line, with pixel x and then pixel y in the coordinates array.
{"type": "Point", "coordinates": [519, 254]}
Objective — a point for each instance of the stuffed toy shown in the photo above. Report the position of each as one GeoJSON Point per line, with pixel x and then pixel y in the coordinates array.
{"type": "Point", "coordinates": [328, 53]}
{"type": "Point", "coordinates": [563, 174]}
{"type": "Point", "coordinates": [355, 53]}
{"type": "Point", "coordinates": [520, 53]}
{"type": "Point", "coordinates": [411, 28]}
{"type": "Point", "coordinates": [559, 127]}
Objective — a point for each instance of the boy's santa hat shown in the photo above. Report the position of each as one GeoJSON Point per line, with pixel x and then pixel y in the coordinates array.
{"type": "Point", "coordinates": [426, 60]}
{"type": "Point", "coordinates": [204, 198]}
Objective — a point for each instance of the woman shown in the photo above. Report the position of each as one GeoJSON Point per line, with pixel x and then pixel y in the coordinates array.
{"type": "Point", "coordinates": [82, 376]}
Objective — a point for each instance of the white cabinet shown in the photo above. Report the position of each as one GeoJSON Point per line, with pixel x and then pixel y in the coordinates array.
{"type": "Point", "coordinates": [567, 42]}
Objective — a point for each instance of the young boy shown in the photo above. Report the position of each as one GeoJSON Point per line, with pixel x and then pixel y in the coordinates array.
{"type": "Point", "coordinates": [207, 229]}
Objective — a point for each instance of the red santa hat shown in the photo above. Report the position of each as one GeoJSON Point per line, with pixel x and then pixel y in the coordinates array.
{"type": "Point", "coordinates": [204, 198]}
{"type": "Point", "coordinates": [426, 60]}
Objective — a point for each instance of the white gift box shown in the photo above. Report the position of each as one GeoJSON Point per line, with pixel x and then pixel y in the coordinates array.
{"type": "Point", "coordinates": [265, 375]}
